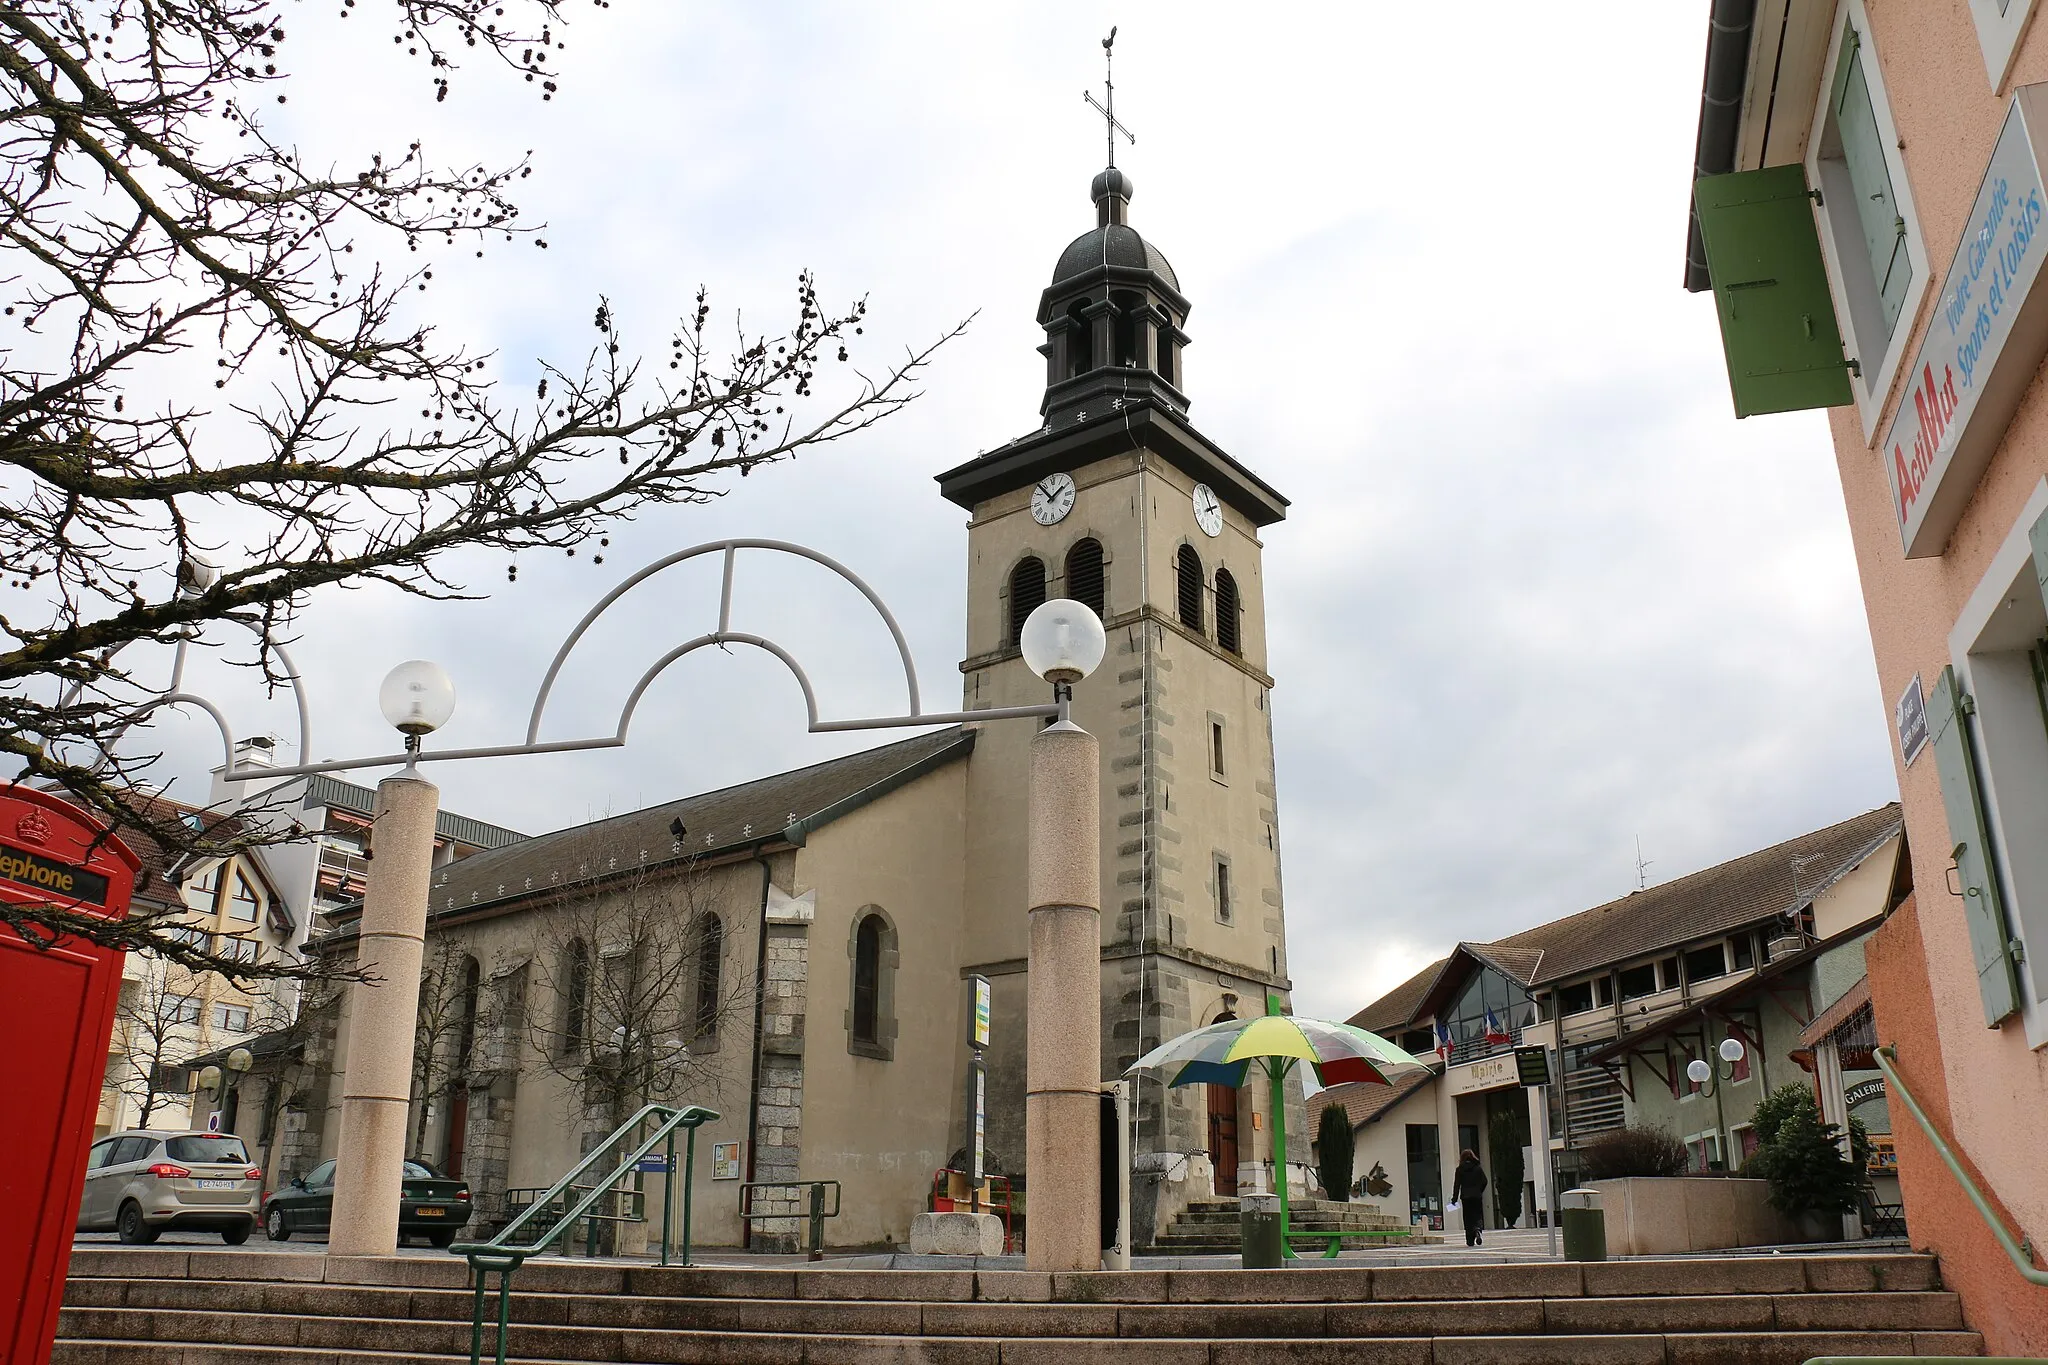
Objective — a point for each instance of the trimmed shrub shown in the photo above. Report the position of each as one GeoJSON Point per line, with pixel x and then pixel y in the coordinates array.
{"type": "Point", "coordinates": [1505, 1137]}
{"type": "Point", "coordinates": [1333, 1151]}
{"type": "Point", "coordinates": [1632, 1151]}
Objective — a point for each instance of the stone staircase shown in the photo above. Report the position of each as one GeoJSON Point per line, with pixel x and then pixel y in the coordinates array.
{"type": "Point", "coordinates": [169, 1307]}
{"type": "Point", "coordinates": [1209, 1227]}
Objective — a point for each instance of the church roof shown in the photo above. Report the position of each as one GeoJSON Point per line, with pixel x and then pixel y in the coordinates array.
{"type": "Point", "coordinates": [784, 809]}
{"type": "Point", "coordinates": [1757, 886]}
{"type": "Point", "coordinates": [1115, 245]}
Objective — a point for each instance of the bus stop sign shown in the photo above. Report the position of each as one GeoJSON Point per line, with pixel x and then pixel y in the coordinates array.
{"type": "Point", "coordinates": [57, 1004]}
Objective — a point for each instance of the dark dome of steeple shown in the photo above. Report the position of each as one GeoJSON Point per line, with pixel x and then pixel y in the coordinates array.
{"type": "Point", "coordinates": [1113, 242]}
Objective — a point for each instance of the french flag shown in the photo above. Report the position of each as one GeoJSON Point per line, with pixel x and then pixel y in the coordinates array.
{"type": "Point", "coordinates": [1496, 1032]}
{"type": "Point", "coordinates": [1443, 1041]}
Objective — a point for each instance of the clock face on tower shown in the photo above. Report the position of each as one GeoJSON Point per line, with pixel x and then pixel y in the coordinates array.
{"type": "Point", "coordinates": [1208, 511]}
{"type": "Point", "coordinates": [1052, 499]}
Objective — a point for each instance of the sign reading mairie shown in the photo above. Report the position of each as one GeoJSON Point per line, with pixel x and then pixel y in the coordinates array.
{"type": "Point", "coordinates": [1982, 346]}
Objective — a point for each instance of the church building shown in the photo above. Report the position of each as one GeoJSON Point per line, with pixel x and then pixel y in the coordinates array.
{"type": "Point", "coordinates": [796, 952]}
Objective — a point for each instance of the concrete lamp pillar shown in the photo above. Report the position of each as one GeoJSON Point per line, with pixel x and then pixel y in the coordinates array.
{"type": "Point", "coordinates": [377, 1089]}
{"type": "Point", "coordinates": [1063, 1070]}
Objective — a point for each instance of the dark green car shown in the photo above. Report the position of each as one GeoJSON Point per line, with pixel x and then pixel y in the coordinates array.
{"type": "Point", "coordinates": [430, 1205]}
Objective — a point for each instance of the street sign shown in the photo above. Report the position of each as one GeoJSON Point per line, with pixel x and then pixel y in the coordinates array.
{"type": "Point", "coordinates": [655, 1162]}
{"type": "Point", "coordinates": [979, 1119]}
{"type": "Point", "coordinates": [977, 1011]}
{"type": "Point", "coordinates": [1532, 1066]}
{"type": "Point", "coordinates": [57, 1013]}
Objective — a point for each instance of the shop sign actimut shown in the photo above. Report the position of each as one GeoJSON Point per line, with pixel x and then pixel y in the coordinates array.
{"type": "Point", "coordinates": [1984, 343]}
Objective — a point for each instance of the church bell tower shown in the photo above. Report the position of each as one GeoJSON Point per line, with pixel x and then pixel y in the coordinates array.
{"type": "Point", "coordinates": [1116, 500]}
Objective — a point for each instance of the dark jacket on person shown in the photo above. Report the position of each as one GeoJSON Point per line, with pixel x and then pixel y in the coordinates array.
{"type": "Point", "coordinates": [1469, 1182]}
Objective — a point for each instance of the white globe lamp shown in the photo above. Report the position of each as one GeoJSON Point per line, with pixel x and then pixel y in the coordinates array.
{"type": "Point", "coordinates": [1698, 1071]}
{"type": "Point", "coordinates": [1062, 641]}
{"type": "Point", "coordinates": [417, 697]}
{"type": "Point", "coordinates": [1731, 1050]}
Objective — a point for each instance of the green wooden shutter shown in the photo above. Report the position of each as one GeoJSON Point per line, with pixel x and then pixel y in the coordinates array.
{"type": "Point", "coordinates": [1771, 290]}
{"type": "Point", "coordinates": [1948, 723]}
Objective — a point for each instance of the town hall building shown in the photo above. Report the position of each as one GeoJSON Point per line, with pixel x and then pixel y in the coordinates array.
{"type": "Point", "coordinates": [796, 952]}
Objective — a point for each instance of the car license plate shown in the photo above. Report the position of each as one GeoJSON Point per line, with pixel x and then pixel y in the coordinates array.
{"type": "Point", "coordinates": [431, 1213]}
{"type": "Point", "coordinates": [216, 1184]}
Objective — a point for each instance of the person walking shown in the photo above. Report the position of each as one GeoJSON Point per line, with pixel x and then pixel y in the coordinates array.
{"type": "Point", "coordinates": [1468, 1187]}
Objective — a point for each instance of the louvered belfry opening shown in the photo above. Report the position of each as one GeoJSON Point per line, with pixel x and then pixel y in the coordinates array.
{"type": "Point", "coordinates": [1226, 612]}
{"type": "Point", "coordinates": [1027, 592]}
{"type": "Point", "coordinates": [1188, 566]}
{"type": "Point", "coordinates": [1085, 581]}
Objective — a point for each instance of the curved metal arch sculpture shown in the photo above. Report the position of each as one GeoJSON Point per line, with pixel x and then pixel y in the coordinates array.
{"type": "Point", "coordinates": [174, 694]}
{"type": "Point", "coordinates": [724, 635]}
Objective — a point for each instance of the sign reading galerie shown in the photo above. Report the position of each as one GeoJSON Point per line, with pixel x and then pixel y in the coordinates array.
{"type": "Point", "coordinates": [1983, 344]}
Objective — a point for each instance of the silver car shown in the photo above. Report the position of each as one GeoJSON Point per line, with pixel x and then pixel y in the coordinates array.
{"type": "Point", "coordinates": [138, 1183]}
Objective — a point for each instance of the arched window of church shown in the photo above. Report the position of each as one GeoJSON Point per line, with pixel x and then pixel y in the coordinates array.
{"type": "Point", "coordinates": [710, 969]}
{"type": "Point", "coordinates": [1027, 593]}
{"type": "Point", "coordinates": [1080, 339]}
{"type": "Point", "coordinates": [867, 978]}
{"type": "Point", "coordinates": [1226, 612]}
{"type": "Point", "coordinates": [871, 1012]}
{"type": "Point", "coordinates": [1085, 581]}
{"type": "Point", "coordinates": [1188, 576]}
{"type": "Point", "coordinates": [575, 995]}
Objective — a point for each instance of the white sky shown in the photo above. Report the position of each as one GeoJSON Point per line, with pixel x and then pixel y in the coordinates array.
{"type": "Point", "coordinates": [1540, 595]}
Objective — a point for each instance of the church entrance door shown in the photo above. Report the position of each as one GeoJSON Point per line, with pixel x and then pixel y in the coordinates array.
{"type": "Point", "coordinates": [458, 1132]}
{"type": "Point", "coordinates": [1223, 1137]}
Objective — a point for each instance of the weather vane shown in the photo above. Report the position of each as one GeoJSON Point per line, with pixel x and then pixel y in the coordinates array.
{"type": "Point", "coordinates": [1108, 109]}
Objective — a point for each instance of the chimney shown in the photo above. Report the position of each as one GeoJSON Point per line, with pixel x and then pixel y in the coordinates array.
{"type": "Point", "coordinates": [255, 752]}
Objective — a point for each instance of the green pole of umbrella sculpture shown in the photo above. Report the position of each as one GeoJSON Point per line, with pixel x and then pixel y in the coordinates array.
{"type": "Point", "coordinates": [1223, 1053]}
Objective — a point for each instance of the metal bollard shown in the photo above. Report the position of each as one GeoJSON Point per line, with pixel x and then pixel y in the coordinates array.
{"type": "Point", "coordinates": [1260, 1243]}
{"type": "Point", "coordinates": [817, 1246]}
{"type": "Point", "coordinates": [1583, 1224]}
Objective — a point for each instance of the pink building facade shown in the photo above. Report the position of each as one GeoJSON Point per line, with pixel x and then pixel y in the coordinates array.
{"type": "Point", "coordinates": [1871, 215]}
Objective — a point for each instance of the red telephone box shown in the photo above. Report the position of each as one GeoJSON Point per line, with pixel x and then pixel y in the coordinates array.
{"type": "Point", "coordinates": [56, 1017]}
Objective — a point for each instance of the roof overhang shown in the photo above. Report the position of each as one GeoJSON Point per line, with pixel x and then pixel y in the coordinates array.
{"type": "Point", "coordinates": [1139, 425]}
{"type": "Point", "coordinates": [1763, 75]}
{"type": "Point", "coordinates": [1720, 1001]}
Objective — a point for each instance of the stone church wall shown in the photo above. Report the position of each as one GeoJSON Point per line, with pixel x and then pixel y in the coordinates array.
{"type": "Point", "coordinates": [883, 1124]}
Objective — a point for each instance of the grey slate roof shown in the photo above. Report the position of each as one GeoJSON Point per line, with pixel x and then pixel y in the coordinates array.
{"type": "Point", "coordinates": [1715, 900]}
{"type": "Point", "coordinates": [785, 807]}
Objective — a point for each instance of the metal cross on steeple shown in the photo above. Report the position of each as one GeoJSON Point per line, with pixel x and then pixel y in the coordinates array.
{"type": "Point", "coordinates": [1107, 106]}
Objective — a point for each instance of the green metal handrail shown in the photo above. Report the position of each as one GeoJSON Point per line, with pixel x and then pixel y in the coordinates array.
{"type": "Point", "coordinates": [2022, 1252]}
{"type": "Point", "coordinates": [500, 1256]}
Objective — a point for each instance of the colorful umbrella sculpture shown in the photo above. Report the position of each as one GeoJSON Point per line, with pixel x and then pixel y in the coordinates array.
{"type": "Point", "coordinates": [1222, 1053]}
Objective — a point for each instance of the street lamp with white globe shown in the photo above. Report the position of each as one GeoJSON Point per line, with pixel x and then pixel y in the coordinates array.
{"type": "Point", "coordinates": [417, 698]}
{"type": "Point", "coordinates": [1700, 1072]}
{"type": "Point", "coordinates": [1063, 642]}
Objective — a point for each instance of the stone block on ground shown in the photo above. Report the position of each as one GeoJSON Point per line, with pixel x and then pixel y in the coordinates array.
{"type": "Point", "coordinates": [956, 1234]}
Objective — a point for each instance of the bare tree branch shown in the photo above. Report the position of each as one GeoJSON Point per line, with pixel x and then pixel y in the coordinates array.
{"type": "Point", "coordinates": [153, 230]}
